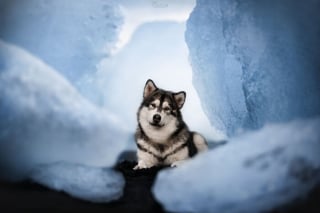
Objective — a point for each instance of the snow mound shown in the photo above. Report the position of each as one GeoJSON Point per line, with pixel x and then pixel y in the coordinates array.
{"type": "Point", "coordinates": [83, 182]}
{"type": "Point", "coordinates": [44, 119]}
{"type": "Point", "coordinates": [253, 173]}
{"type": "Point", "coordinates": [255, 62]}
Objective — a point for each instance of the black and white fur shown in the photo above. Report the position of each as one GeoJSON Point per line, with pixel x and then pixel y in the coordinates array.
{"type": "Point", "coordinates": [162, 137]}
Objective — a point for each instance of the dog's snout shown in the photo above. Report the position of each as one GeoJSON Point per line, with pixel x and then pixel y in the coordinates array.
{"type": "Point", "coordinates": [156, 118]}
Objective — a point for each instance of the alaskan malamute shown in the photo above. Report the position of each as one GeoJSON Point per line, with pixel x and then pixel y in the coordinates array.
{"type": "Point", "coordinates": [162, 137]}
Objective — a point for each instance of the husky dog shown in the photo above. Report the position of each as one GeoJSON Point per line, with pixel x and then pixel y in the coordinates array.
{"type": "Point", "coordinates": [162, 137]}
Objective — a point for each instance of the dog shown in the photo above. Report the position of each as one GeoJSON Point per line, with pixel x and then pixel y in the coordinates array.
{"type": "Point", "coordinates": [162, 137]}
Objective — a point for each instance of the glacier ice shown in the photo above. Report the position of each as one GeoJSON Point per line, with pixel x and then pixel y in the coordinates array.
{"type": "Point", "coordinates": [43, 119]}
{"type": "Point", "coordinates": [255, 172]}
{"type": "Point", "coordinates": [80, 181]}
{"type": "Point", "coordinates": [71, 37]}
{"type": "Point", "coordinates": [255, 62]}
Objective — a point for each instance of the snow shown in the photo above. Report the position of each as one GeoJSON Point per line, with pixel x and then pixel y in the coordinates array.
{"type": "Point", "coordinates": [255, 62]}
{"type": "Point", "coordinates": [43, 119]}
{"type": "Point", "coordinates": [254, 173]}
{"type": "Point", "coordinates": [87, 183]}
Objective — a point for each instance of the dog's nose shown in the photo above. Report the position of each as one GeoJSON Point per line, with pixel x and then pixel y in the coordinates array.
{"type": "Point", "coordinates": [156, 118]}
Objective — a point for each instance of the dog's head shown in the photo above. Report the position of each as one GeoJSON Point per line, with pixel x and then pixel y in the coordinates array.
{"type": "Point", "coordinates": [160, 108]}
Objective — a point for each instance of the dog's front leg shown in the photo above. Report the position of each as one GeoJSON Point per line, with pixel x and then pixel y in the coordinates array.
{"type": "Point", "coordinates": [143, 165]}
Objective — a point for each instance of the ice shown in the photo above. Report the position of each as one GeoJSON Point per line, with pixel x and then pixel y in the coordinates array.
{"type": "Point", "coordinates": [253, 173]}
{"type": "Point", "coordinates": [255, 62]}
{"type": "Point", "coordinates": [72, 37]}
{"type": "Point", "coordinates": [43, 119]}
{"type": "Point", "coordinates": [256, 68]}
{"type": "Point", "coordinates": [87, 183]}
{"type": "Point", "coordinates": [47, 51]}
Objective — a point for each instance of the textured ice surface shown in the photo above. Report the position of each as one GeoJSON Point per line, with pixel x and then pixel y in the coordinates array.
{"type": "Point", "coordinates": [70, 36]}
{"type": "Point", "coordinates": [84, 182]}
{"type": "Point", "coordinates": [255, 62]}
{"type": "Point", "coordinates": [252, 173]}
{"type": "Point", "coordinates": [44, 119]}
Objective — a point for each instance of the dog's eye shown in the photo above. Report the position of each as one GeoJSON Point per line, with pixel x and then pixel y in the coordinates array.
{"type": "Point", "coordinates": [166, 109]}
{"type": "Point", "coordinates": [152, 106]}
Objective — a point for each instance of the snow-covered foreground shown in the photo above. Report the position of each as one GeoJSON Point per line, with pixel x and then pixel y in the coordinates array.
{"type": "Point", "coordinates": [43, 119]}
{"type": "Point", "coordinates": [253, 173]}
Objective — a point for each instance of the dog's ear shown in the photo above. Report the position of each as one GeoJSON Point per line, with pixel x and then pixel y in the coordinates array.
{"type": "Point", "coordinates": [180, 98]}
{"type": "Point", "coordinates": [149, 88]}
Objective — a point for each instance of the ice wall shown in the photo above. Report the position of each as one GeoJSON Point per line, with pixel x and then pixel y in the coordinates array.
{"type": "Point", "coordinates": [255, 62]}
{"type": "Point", "coordinates": [72, 37]}
{"type": "Point", "coordinates": [43, 119]}
{"type": "Point", "coordinates": [50, 132]}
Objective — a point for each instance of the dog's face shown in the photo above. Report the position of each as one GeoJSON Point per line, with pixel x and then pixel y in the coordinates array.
{"type": "Point", "coordinates": [160, 109]}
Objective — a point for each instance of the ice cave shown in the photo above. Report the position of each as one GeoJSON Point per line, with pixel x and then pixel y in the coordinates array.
{"type": "Point", "coordinates": [71, 81]}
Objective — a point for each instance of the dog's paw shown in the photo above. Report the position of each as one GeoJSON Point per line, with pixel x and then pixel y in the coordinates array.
{"type": "Point", "coordinates": [137, 167]}
{"type": "Point", "coordinates": [141, 165]}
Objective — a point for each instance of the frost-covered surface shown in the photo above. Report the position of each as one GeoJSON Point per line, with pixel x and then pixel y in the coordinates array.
{"type": "Point", "coordinates": [44, 119]}
{"type": "Point", "coordinates": [70, 36]}
{"type": "Point", "coordinates": [253, 173]}
{"type": "Point", "coordinates": [255, 61]}
{"type": "Point", "coordinates": [84, 182]}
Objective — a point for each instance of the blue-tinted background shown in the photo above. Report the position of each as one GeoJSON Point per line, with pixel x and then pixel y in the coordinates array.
{"type": "Point", "coordinates": [71, 80]}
